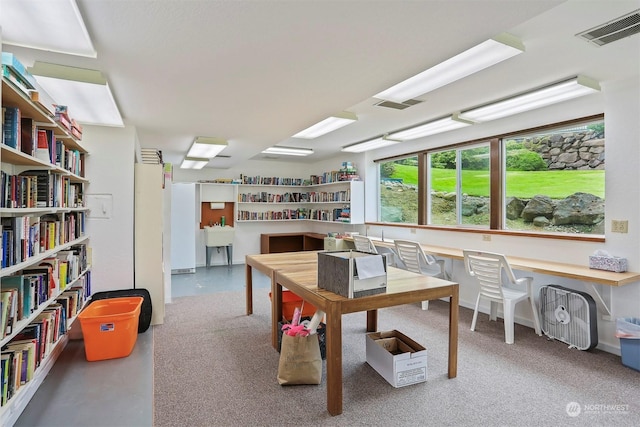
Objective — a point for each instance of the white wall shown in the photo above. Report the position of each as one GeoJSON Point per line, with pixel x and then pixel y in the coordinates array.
{"type": "Point", "coordinates": [109, 168]}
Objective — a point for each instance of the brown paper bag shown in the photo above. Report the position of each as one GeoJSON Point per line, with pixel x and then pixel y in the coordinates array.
{"type": "Point", "coordinates": [300, 361]}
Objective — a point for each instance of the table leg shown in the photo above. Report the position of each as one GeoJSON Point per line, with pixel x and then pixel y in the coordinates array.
{"type": "Point", "coordinates": [372, 320]}
{"type": "Point", "coordinates": [276, 309]}
{"type": "Point", "coordinates": [249, 283]}
{"type": "Point", "coordinates": [334, 359]}
{"type": "Point", "coordinates": [453, 333]}
{"type": "Point", "coordinates": [208, 255]}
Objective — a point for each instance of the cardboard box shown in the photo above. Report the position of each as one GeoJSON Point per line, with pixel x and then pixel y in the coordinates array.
{"type": "Point", "coordinates": [608, 263]}
{"type": "Point", "coordinates": [399, 359]}
{"type": "Point", "coordinates": [352, 274]}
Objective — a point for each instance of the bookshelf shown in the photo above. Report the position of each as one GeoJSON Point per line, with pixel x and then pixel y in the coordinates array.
{"type": "Point", "coordinates": [45, 271]}
{"type": "Point", "coordinates": [335, 202]}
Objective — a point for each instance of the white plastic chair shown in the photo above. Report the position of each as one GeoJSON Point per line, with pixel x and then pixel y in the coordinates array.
{"type": "Point", "coordinates": [487, 268]}
{"type": "Point", "coordinates": [417, 261]}
{"type": "Point", "coordinates": [364, 244]}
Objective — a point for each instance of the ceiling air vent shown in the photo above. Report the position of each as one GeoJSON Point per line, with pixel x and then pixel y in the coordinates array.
{"type": "Point", "coordinates": [398, 105]}
{"type": "Point", "coordinates": [611, 31]}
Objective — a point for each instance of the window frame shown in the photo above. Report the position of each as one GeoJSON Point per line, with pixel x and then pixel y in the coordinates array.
{"type": "Point", "coordinates": [497, 186]}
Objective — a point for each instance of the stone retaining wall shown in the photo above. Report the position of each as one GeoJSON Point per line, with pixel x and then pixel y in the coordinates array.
{"type": "Point", "coordinates": [576, 150]}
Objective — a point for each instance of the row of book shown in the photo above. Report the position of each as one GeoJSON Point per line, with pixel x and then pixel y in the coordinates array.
{"type": "Point", "coordinates": [39, 189]}
{"type": "Point", "coordinates": [333, 176]}
{"type": "Point", "coordinates": [336, 215]}
{"type": "Point", "coordinates": [266, 197]}
{"type": "Point", "coordinates": [24, 293]}
{"type": "Point", "coordinates": [330, 215]}
{"type": "Point", "coordinates": [270, 180]}
{"type": "Point", "coordinates": [23, 134]}
{"type": "Point", "coordinates": [286, 214]}
{"type": "Point", "coordinates": [21, 357]}
{"type": "Point", "coordinates": [24, 237]}
{"type": "Point", "coordinates": [309, 197]}
{"type": "Point", "coordinates": [330, 196]}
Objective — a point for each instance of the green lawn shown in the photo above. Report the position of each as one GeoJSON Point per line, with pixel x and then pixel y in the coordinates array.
{"type": "Point", "coordinates": [555, 184]}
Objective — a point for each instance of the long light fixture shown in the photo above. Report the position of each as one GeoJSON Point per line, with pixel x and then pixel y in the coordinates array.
{"type": "Point", "coordinates": [327, 125]}
{"type": "Point", "coordinates": [85, 92]}
{"type": "Point", "coordinates": [486, 54]}
{"type": "Point", "coordinates": [55, 26]}
{"type": "Point", "coordinates": [431, 128]}
{"type": "Point", "coordinates": [569, 89]}
{"type": "Point", "coordinates": [372, 144]}
{"type": "Point", "coordinates": [206, 147]}
{"type": "Point", "coordinates": [194, 163]}
{"type": "Point", "coordinates": [288, 151]}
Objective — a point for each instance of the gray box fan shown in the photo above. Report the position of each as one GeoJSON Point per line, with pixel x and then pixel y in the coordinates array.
{"type": "Point", "coordinates": [569, 316]}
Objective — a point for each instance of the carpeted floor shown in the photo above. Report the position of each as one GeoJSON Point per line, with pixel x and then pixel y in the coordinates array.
{"type": "Point", "coordinates": [214, 366]}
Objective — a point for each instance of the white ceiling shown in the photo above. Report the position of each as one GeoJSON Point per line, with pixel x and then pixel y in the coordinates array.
{"type": "Point", "coordinates": [257, 72]}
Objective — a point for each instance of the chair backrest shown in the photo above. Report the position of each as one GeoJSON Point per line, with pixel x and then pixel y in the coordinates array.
{"type": "Point", "coordinates": [364, 244]}
{"type": "Point", "coordinates": [487, 268]}
{"type": "Point", "coordinates": [411, 254]}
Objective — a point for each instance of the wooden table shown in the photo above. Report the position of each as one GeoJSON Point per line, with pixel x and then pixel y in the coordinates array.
{"type": "Point", "coordinates": [268, 264]}
{"type": "Point", "coordinates": [403, 287]}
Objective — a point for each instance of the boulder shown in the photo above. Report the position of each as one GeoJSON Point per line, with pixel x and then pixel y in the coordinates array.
{"type": "Point", "coordinates": [539, 205]}
{"type": "Point", "coordinates": [579, 208]}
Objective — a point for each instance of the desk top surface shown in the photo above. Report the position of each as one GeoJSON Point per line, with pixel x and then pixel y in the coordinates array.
{"type": "Point", "coordinates": [402, 287]}
{"type": "Point", "coordinates": [571, 271]}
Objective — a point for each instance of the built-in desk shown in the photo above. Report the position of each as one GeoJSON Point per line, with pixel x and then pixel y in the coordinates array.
{"type": "Point", "coordinates": [291, 242]}
{"type": "Point", "coordinates": [577, 272]}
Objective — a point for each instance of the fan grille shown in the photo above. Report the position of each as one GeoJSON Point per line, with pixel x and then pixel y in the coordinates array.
{"type": "Point", "coordinates": [568, 316]}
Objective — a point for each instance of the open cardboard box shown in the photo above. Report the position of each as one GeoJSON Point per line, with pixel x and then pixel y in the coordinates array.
{"type": "Point", "coordinates": [399, 359]}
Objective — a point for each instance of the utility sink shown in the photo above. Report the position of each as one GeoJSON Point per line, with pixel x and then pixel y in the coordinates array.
{"type": "Point", "coordinates": [218, 236]}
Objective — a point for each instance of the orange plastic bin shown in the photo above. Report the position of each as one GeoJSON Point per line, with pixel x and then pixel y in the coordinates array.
{"type": "Point", "coordinates": [110, 327]}
{"type": "Point", "coordinates": [289, 303]}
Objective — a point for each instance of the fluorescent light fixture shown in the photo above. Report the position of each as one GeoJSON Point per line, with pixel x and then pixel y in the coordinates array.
{"type": "Point", "coordinates": [206, 147]}
{"type": "Point", "coordinates": [569, 89]}
{"type": "Point", "coordinates": [372, 144]}
{"type": "Point", "coordinates": [85, 92]}
{"type": "Point", "coordinates": [462, 65]}
{"type": "Point", "coordinates": [193, 163]}
{"type": "Point", "coordinates": [327, 125]}
{"type": "Point", "coordinates": [56, 26]}
{"type": "Point", "coordinates": [431, 128]}
{"type": "Point", "coordinates": [288, 151]}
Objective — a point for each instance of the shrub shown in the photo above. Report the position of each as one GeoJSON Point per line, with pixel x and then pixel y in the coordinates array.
{"type": "Point", "coordinates": [525, 161]}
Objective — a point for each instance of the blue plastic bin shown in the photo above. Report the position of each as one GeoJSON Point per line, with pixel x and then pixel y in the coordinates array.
{"type": "Point", "coordinates": [628, 330]}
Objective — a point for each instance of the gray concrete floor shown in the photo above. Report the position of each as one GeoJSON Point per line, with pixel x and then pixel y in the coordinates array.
{"type": "Point", "coordinates": [118, 392]}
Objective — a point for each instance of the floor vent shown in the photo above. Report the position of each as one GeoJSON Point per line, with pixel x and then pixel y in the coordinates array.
{"type": "Point", "coordinates": [398, 105]}
{"type": "Point", "coordinates": [611, 31]}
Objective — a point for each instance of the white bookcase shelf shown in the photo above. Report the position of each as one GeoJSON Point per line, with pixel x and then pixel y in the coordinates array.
{"type": "Point", "coordinates": [36, 229]}
{"type": "Point", "coordinates": [336, 202]}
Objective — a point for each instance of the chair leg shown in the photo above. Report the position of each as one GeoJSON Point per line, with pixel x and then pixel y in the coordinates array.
{"type": "Point", "coordinates": [493, 311]}
{"type": "Point", "coordinates": [509, 309]}
{"type": "Point", "coordinates": [425, 305]}
{"type": "Point", "coordinates": [475, 314]}
{"type": "Point", "coordinates": [536, 317]}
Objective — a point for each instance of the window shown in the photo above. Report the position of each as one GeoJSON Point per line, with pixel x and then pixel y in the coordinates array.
{"type": "Point", "coordinates": [459, 186]}
{"type": "Point", "coordinates": [399, 190]}
{"type": "Point", "coordinates": [554, 180]}
{"type": "Point", "coordinates": [547, 180]}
